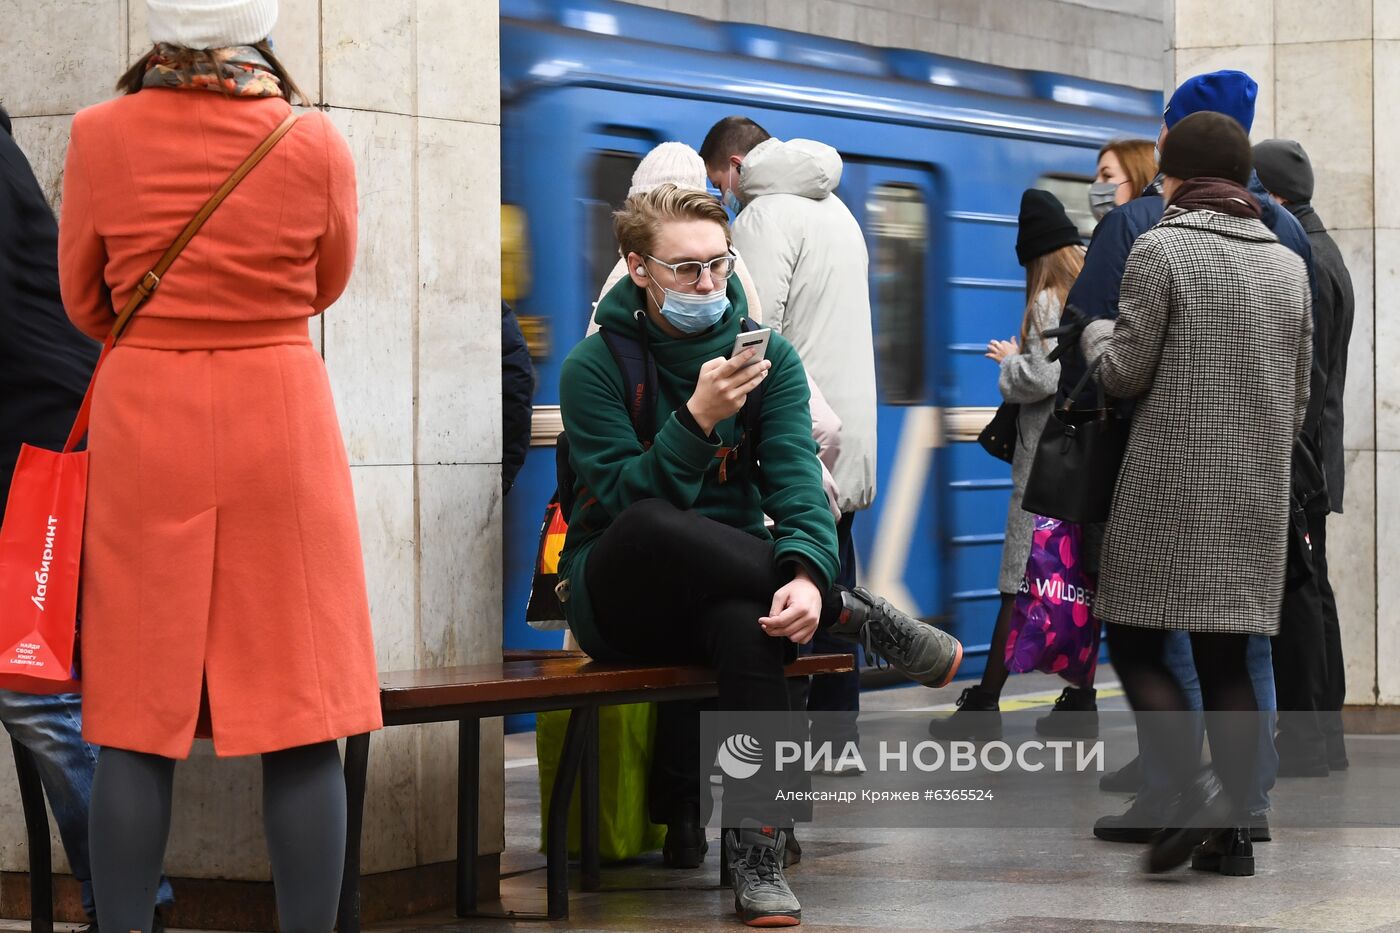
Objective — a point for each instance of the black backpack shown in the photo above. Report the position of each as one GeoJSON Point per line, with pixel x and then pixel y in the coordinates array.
{"type": "Point", "coordinates": [638, 369]}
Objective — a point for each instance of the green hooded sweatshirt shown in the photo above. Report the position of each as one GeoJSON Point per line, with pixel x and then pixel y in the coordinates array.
{"type": "Point", "coordinates": [613, 470]}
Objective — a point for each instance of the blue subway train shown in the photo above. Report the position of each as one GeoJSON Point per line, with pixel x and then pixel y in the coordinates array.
{"type": "Point", "coordinates": [937, 152]}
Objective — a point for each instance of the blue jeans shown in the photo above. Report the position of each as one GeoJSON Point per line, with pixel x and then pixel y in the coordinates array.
{"type": "Point", "coordinates": [1156, 787]}
{"type": "Point", "coordinates": [51, 727]}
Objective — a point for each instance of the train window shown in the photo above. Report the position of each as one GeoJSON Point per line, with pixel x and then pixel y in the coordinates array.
{"type": "Point", "coordinates": [609, 180]}
{"type": "Point", "coordinates": [1074, 195]}
{"type": "Point", "coordinates": [899, 235]}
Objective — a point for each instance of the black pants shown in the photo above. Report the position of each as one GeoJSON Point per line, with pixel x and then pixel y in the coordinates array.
{"type": "Point", "coordinates": [1300, 666]}
{"type": "Point", "coordinates": [1226, 691]}
{"type": "Point", "coordinates": [1334, 694]}
{"type": "Point", "coordinates": [674, 586]}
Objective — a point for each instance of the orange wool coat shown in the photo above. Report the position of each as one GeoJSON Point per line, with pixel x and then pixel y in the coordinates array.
{"type": "Point", "coordinates": [221, 554]}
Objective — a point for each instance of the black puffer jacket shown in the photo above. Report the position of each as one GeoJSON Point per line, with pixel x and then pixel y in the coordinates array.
{"type": "Point", "coordinates": [517, 395]}
{"type": "Point", "coordinates": [45, 363]}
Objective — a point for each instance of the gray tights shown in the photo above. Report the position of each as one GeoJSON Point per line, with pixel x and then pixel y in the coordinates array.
{"type": "Point", "coordinates": [303, 814]}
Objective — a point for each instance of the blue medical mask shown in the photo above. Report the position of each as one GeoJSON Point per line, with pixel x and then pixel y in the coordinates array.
{"type": "Point", "coordinates": [692, 314]}
{"type": "Point", "coordinates": [729, 199]}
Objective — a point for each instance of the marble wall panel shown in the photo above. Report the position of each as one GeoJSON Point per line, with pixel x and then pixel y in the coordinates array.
{"type": "Point", "coordinates": [1385, 19]}
{"type": "Point", "coordinates": [384, 501]}
{"type": "Point", "coordinates": [1255, 60]}
{"type": "Point", "coordinates": [787, 15]}
{"type": "Point", "coordinates": [297, 41]}
{"type": "Point", "coordinates": [744, 11]}
{"type": "Point", "coordinates": [459, 60]}
{"type": "Point", "coordinates": [459, 281]}
{"type": "Point", "coordinates": [369, 332]}
{"type": "Point", "coordinates": [833, 18]}
{"type": "Point", "coordinates": [44, 141]}
{"type": "Point", "coordinates": [437, 791]}
{"type": "Point", "coordinates": [1388, 584]}
{"type": "Point", "coordinates": [82, 53]}
{"type": "Point", "coordinates": [1322, 99]}
{"type": "Point", "coordinates": [1358, 251]}
{"type": "Point", "coordinates": [1386, 63]}
{"type": "Point", "coordinates": [709, 9]}
{"type": "Point", "coordinates": [367, 55]}
{"type": "Point", "coordinates": [460, 570]}
{"type": "Point", "coordinates": [216, 823]}
{"type": "Point", "coordinates": [1215, 23]}
{"type": "Point", "coordinates": [1387, 323]}
{"type": "Point", "coordinates": [873, 28]}
{"type": "Point", "coordinates": [1310, 21]}
{"type": "Point", "coordinates": [391, 801]}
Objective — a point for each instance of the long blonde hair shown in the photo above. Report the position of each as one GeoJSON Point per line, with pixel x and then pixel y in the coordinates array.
{"type": "Point", "coordinates": [1055, 273]}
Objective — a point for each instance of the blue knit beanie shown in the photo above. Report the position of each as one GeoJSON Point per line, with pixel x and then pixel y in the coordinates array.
{"type": "Point", "coordinates": [1229, 92]}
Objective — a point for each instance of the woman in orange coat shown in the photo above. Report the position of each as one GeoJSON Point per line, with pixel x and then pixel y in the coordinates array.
{"type": "Point", "coordinates": [223, 581]}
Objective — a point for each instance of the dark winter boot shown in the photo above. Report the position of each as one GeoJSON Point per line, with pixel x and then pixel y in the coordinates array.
{"type": "Point", "coordinates": [1074, 716]}
{"type": "Point", "coordinates": [977, 718]}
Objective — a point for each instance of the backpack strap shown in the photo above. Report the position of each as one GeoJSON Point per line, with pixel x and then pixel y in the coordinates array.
{"type": "Point", "coordinates": [638, 369]}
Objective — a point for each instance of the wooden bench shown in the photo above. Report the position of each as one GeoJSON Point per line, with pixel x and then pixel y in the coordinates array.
{"type": "Point", "coordinates": [560, 680]}
{"type": "Point", "coordinates": [522, 682]}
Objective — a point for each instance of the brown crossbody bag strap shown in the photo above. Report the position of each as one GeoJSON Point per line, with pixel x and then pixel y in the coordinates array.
{"type": "Point", "coordinates": [151, 280]}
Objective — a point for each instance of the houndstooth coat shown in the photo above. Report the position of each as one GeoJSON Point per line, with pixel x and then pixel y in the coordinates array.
{"type": "Point", "coordinates": [1214, 339]}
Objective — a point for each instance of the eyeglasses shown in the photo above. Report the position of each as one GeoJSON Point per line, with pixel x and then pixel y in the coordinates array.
{"type": "Point", "coordinates": [688, 273]}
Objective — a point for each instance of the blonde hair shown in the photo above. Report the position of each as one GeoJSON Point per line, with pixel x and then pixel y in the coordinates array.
{"type": "Point", "coordinates": [1138, 160]}
{"type": "Point", "coordinates": [1055, 273]}
{"type": "Point", "coordinates": [641, 217]}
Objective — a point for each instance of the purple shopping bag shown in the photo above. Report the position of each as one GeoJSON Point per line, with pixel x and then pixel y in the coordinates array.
{"type": "Point", "coordinates": [1053, 628]}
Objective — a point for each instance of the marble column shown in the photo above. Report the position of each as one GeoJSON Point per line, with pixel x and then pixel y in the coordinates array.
{"type": "Point", "coordinates": [1323, 70]}
{"type": "Point", "coordinates": [413, 351]}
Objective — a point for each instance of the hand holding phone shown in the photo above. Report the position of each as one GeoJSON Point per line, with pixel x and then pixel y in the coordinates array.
{"type": "Point", "coordinates": [756, 340]}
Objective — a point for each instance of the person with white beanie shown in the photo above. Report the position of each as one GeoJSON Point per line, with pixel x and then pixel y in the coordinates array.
{"type": "Point", "coordinates": [223, 582]}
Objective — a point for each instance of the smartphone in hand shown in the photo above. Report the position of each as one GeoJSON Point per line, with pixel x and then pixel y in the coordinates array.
{"type": "Point", "coordinates": [756, 340]}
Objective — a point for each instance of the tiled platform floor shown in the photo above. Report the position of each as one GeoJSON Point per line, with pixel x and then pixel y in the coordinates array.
{"type": "Point", "coordinates": [1002, 881]}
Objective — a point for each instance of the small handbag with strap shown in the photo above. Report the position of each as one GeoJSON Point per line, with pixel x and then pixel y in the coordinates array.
{"type": "Point", "coordinates": [1077, 460]}
{"type": "Point", "coordinates": [1000, 435]}
{"type": "Point", "coordinates": [41, 539]}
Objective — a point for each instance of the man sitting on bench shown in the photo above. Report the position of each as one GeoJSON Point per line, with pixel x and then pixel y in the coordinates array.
{"type": "Point", "coordinates": [667, 557]}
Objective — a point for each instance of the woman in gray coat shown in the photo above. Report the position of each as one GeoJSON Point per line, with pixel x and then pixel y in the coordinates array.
{"type": "Point", "coordinates": [1048, 245]}
{"type": "Point", "coordinates": [1214, 340]}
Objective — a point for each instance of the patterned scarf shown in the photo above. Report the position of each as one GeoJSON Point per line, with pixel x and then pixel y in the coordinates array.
{"type": "Point", "coordinates": [1216, 194]}
{"type": "Point", "coordinates": [245, 73]}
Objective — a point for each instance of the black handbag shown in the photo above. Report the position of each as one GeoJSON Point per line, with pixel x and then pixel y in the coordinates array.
{"type": "Point", "coordinates": [999, 437]}
{"type": "Point", "coordinates": [1077, 460]}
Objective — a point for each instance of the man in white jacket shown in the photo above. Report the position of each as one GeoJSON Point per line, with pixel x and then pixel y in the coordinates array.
{"type": "Point", "coordinates": [810, 267]}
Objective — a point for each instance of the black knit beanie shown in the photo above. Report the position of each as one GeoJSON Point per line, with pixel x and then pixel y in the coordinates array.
{"type": "Point", "coordinates": [1284, 169]}
{"type": "Point", "coordinates": [1043, 226]}
{"type": "Point", "coordinates": [1207, 145]}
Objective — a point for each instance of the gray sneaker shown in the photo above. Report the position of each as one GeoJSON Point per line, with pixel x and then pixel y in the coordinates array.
{"type": "Point", "coordinates": [914, 648]}
{"type": "Point", "coordinates": [762, 897]}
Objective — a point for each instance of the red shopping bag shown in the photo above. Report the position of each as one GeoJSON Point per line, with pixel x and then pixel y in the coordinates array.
{"type": "Point", "coordinates": [40, 551]}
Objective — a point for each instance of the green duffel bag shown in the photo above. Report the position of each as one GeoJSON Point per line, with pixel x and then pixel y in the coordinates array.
{"type": "Point", "coordinates": [624, 761]}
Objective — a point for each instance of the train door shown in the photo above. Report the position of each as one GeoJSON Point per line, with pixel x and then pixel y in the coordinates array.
{"type": "Point", "coordinates": [899, 540]}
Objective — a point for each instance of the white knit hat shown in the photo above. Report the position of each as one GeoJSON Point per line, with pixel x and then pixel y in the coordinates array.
{"type": "Point", "coordinates": [210, 24]}
{"type": "Point", "coordinates": [669, 163]}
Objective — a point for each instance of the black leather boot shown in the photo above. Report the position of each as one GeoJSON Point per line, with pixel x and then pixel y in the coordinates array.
{"type": "Point", "coordinates": [977, 718]}
{"type": "Point", "coordinates": [1202, 810]}
{"type": "Point", "coordinates": [1228, 851]}
{"type": "Point", "coordinates": [1074, 716]}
